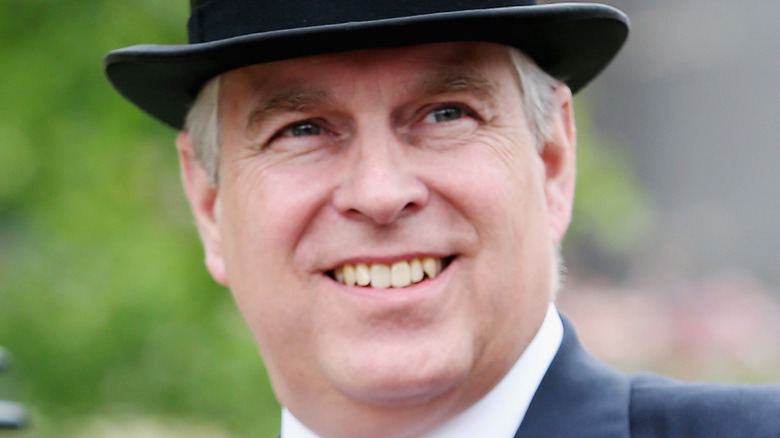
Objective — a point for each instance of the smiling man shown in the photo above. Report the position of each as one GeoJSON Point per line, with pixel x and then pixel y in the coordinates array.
{"type": "Point", "coordinates": [334, 187]}
{"type": "Point", "coordinates": [383, 187]}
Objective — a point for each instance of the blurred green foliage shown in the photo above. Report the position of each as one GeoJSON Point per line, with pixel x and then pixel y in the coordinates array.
{"type": "Point", "coordinates": [104, 300]}
{"type": "Point", "coordinates": [612, 213]}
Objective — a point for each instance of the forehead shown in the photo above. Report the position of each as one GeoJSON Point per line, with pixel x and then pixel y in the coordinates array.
{"type": "Point", "coordinates": [405, 66]}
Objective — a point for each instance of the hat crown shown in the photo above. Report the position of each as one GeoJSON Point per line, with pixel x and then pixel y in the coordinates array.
{"type": "Point", "coordinates": [213, 20]}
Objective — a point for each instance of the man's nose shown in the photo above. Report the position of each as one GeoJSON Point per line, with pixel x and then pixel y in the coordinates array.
{"type": "Point", "coordinates": [380, 184]}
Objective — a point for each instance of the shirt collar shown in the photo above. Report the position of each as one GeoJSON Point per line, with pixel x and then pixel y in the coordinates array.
{"type": "Point", "coordinates": [501, 411]}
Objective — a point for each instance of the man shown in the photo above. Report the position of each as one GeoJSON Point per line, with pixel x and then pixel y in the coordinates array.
{"type": "Point", "coordinates": [383, 187]}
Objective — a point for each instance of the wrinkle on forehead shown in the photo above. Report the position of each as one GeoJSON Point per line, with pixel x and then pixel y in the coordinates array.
{"type": "Point", "coordinates": [438, 69]}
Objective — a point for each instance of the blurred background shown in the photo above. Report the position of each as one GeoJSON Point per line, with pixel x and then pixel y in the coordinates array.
{"type": "Point", "coordinates": [116, 330]}
{"type": "Point", "coordinates": [684, 279]}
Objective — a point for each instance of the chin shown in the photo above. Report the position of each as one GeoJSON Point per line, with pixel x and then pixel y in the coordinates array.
{"type": "Point", "coordinates": [400, 391]}
{"type": "Point", "coordinates": [401, 379]}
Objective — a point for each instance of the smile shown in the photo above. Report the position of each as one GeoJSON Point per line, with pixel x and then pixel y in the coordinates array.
{"type": "Point", "coordinates": [402, 273]}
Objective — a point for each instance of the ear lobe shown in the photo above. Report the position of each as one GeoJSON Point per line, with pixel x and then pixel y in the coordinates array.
{"type": "Point", "coordinates": [203, 197]}
{"type": "Point", "coordinates": [560, 160]}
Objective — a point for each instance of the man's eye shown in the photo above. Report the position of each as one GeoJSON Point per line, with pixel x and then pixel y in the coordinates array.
{"type": "Point", "coordinates": [302, 129]}
{"type": "Point", "coordinates": [447, 114]}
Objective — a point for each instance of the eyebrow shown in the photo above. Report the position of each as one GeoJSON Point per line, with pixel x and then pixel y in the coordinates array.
{"type": "Point", "coordinates": [445, 81]}
{"type": "Point", "coordinates": [441, 81]}
{"type": "Point", "coordinates": [296, 99]}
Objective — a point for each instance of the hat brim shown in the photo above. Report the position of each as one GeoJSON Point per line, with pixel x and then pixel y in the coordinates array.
{"type": "Point", "coordinates": [571, 42]}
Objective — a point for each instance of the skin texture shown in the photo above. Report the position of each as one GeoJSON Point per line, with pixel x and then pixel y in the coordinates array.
{"type": "Point", "coordinates": [385, 155]}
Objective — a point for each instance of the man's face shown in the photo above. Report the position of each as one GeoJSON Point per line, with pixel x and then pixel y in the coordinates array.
{"type": "Point", "coordinates": [385, 158]}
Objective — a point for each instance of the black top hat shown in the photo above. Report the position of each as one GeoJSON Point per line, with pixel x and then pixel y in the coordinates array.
{"type": "Point", "coordinates": [571, 41]}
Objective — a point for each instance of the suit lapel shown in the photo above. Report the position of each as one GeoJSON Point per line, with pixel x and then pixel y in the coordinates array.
{"type": "Point", "coordinates": [579, 396]}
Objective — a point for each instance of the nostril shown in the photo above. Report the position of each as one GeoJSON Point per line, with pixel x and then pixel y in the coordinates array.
{"type": "Point", "coordinates": [382, 211]}
{"type": "Point", "coordinates": [379, 188]}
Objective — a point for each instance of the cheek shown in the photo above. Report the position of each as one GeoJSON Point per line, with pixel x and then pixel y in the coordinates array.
{"type": "Point", "coordinates": [499, 191]}
{"type": "Point", "coordinates": [270, 209]}
{"type": "Point", "coordinates": [265, 226]}
{"type": "Point", "coordinates": [262, 228]}
{"type": "Point", "coordinates": [265, 214]}
{"type": "Point", "coordinates": [496, 185]}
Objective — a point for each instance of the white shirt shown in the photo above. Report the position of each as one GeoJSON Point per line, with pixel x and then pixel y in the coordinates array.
{"type": "Point", "coordinates": [500, 412]}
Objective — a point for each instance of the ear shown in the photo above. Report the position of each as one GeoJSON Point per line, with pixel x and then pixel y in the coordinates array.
{"type": "Point", "coordinates": [560, 159]}
{"type": "Point", "coordinates": [203, 197]}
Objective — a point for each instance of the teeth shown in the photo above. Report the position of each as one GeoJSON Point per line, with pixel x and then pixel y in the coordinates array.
{"type": "Point", "coordinates": [431, 267]}
{"type": "Point", "coordinates": [362, 274]}
{"type": "Point", "coordinates": [416, 271]}
{"type": "Point", "coordinates": [378, 275]}
{"type": "Point", "coordinates": [350, 278]}
{"type": "Point", "coordinates": [338, 274]}
{"type": "Point", "coordinates": [401, 274]}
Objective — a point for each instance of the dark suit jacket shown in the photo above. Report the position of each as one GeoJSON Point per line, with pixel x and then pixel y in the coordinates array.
{"type": "Point", "coordinates": [581, 397]}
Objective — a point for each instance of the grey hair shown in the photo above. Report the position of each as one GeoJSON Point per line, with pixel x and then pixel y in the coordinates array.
{"type": "Point", "coordinates": [538, 95]}
{"type": "Point", "coordinates": [202, 122]}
